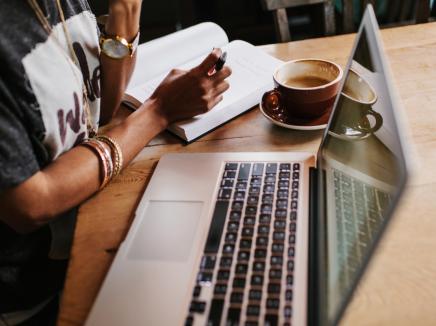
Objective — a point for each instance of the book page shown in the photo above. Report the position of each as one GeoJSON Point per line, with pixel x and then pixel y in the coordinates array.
{"type": "Point", "coordinates": [161, 55]}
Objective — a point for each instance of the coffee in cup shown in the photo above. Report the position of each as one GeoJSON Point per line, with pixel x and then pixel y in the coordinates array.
{"type": "Point", "coordinates": [305, 89]}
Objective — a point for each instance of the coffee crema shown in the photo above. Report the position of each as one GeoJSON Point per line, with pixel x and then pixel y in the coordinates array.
{"type": "Point", "coordinates": [306, 81]}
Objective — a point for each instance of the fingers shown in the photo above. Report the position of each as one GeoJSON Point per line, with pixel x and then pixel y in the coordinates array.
{"type": "Point", "coordinates": [221, 88]}
{"type": "Point", "coordinates": [214, 102]}
{"type": "Point", "coordinates": [219, 76]}
{"type": "Point", "coordinates": [209, 62]}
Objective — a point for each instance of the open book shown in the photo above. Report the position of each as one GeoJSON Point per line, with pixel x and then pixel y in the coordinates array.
{"type": "Point", "coordinates": [252, 74]}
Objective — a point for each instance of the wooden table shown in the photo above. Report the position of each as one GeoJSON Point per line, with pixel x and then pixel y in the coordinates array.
{"type": "Point", "coordinates": [400, 286]}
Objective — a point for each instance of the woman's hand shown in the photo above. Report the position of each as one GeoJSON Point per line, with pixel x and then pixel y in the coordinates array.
{"type": "Point", "coordinates": [184, 94]}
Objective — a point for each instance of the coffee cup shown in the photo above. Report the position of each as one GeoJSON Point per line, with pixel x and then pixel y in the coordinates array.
{"type": "Point", "coordinates": [305, 89]}
{"type": "Point", "coordinates": [355, 117]}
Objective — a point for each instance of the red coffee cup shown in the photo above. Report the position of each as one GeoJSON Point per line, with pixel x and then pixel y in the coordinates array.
{"type": "Point", "coordinates": [304, 89]}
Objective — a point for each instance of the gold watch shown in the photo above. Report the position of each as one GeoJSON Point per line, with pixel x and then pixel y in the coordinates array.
{"type": "Point", "coordinates": [117, 47]}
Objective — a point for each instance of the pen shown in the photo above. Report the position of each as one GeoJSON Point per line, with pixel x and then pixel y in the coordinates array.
{"type": "Point", "coordinates": [219, 64]}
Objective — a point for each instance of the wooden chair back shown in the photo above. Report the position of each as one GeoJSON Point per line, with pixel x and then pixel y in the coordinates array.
{"type": "Point", "coordinates": [281, 22]}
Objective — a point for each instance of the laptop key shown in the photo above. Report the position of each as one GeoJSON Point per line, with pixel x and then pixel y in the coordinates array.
{"type": "Point", "coordinates": [243, 255]}
{"type": "Point", "coordinates": [249, 220]}
{"type": "Point", "coordinates": [208, 262]}
{"type": "Point", "coordinates": [296, 166]}
{"type": "Point", "coordinates": [260, 253]}
{"type": "Point", "coordinates": [253, 310]}
{"type": "Point", "coordinates": [278, 235]}
{"type": "Point", "coordinates": [235, 216]}
{"type": "Point", "coordinates": [239, 282]}
{"type": "Point", "coordinates": [233, 316]}
{"type": "Point", "coordinates": [255, 295]}
{"type": "Point", "coordinates": [279, 225]}
{"type": "Point", "coordinates": [229, 174]}
{"type": "Point", "coordinates": [288, 311]}
{"type": "Point", "coordinates": [258, 266]}
{"type": "Point", "coordinates": [189, 321]}
{"type": "Point", "coordinates": [233, 226]}
{"type": "Point", "coordinates": [282, 194]}
{"type": "Point", "coordinates": [254, 190]}
{"type": "Point", "coordinates": [197, 291]}
{"type": "Point", "coordinates": [228, 249]}
{"type": "Point", "coordinates": [240, 185]}
{"type": "Point", "coordinates": [236, 297]}
{"type": "Point", "coordinates": [272, 303]}
{"type": "Point", "coordinates": [216, 227]}
{"type": "Point", "coordinates": [241, 269]}
{"type": "Point", "coordinates": [276, 260]}
{"type": "Point", "coordinates": [288, 295]}
{"type": "Point", "coordinates": [274, 288]}
{"type": "Point", "coordinates": [204, 277]}
{"type": "Point", "coordinates": [244, 171]}
{"type": "Point", "coordinates": [281, 213]}
{"type": "Point", "coordinates": [271, 320]}
{"type": "Point", "coordinates": [239, 195]}
{"type": "Point", "coordinates": [277, 248]}
{"type": "Point", "coordinates": [265, 218]}
{"type": "Point", "coordinates": [285, 167]}
{"type": "Point", "coordinates": [258, 169]}
{"type": "Point", "coordinates": [226, 262]}
{"type": "Point", "coordinates": [223, 275]}
{"type": "Point", "coordinates": [197, 306]}
{"type": "Point", "coordinates": [224, 194]}
{"type": "Point", "coordinates": [263, 229]}
{"type": "Point", "coordinates": [245, 244]}
{"type": "Point", "coordinates": [256, 280]}
{"type": "Point", "coordinates": [237, 205]}
{"type": "Point", "coordinates": [231, 166]}
{"type": "Point", "coordinates": [247, 231]}
{"type": "Point", "coordinates": [220, 289]}
{"type": "Point", "coordinates": [215, 312]}
{"type": "Point", "coordinates": [271, 168]}
{"type": "Point", "coordinates": [275, 274]}
{"type": "Point", "coordinates": [231, 237]}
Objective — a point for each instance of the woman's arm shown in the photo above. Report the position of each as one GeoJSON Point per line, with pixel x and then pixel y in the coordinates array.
{"type": "Point", "coordinates": [123, 20]}
{"type": "Point", "coordinates": [74, 176]}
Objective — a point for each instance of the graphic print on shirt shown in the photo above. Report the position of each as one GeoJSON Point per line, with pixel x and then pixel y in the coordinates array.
{"type": "Point", "coordinates": [57, 82]}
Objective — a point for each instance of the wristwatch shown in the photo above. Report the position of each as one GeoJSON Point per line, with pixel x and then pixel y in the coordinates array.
{"type": "Point", "coordinates": [117, 47]}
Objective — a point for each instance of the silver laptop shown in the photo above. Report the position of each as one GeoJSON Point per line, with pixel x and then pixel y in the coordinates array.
{"type": "Point", "coordinates": [265, 238]}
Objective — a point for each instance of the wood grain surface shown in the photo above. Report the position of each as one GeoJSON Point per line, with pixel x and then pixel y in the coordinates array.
{"type": "Point", "coordinates": [399, 287]}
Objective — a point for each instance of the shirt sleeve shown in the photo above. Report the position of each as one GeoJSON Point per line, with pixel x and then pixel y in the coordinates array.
{"type": "Point", "coordinates": [17, 158]}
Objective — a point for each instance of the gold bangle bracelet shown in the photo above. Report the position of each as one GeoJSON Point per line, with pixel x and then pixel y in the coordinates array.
{"type": "Point", "coordinates": [117, 153]}
{"type": "Point", "coordinates": [105, 159]}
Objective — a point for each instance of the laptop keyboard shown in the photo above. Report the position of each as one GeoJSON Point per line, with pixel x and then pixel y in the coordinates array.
{"type": "Point", "coordinates": [246, 274]}
{"type": "Point", "coordinates": [359, 211]}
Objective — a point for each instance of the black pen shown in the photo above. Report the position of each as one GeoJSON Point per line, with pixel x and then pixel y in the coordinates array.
{"type": "Point", "coordinates": [219, 64]}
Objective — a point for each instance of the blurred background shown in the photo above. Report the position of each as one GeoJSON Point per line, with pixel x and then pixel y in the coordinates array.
{"type": "Point", "coordinates": [271, 21]}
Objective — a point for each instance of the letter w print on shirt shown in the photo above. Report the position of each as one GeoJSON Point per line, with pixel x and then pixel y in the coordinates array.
{"type": "Point", "coordinates": [58, 83]}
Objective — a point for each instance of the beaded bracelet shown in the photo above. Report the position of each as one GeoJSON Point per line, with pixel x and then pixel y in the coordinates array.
{"type": "Point", "coordinates": [116, 151]}
{"type": "Point", "coordinates": [105, 159]}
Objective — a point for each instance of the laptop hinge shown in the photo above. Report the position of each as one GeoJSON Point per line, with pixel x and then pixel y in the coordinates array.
{"type": "Point", "coordinates": [312, 304]}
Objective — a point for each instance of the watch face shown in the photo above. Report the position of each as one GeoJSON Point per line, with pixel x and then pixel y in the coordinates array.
{"type": "Point", "coordinates": [115, 49]}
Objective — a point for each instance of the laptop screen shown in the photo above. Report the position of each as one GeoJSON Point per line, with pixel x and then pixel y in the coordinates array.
{"type": "Point", "coordinates": [364, 169]}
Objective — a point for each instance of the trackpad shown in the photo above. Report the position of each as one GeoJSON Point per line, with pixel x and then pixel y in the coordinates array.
{"type": "Point", "coordinates": [167, 231]}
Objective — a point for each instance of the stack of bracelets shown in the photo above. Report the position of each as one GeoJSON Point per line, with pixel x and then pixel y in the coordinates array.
{"type": "Point", "coordinates": [111, 161]}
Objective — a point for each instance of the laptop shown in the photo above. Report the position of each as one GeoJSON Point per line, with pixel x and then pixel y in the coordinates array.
{"type": "Point", "coordinates": [261, 238]}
